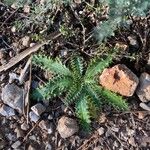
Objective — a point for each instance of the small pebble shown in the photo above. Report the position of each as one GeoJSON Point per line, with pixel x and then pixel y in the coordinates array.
{"type": "Point", "coordinates": [47, 126]}
{"type": "Point", "coordinates": [48, 146]}
{"type": "Point", "coordinates": [7, 111]}
{"type": "Point", "coordinates": [33, 137]}
{"type": "Point", "coordinates": [33, 117]}
{"type": "Point", "coordinates": [25, 126]}
{"type": "Point", "coordinates": [25, 41]}
{"type": "Point", "coordinates": [67, 127]}
{"type": "Point", "coordinates": [38, 109]}
{"type": "Point", "coordinates": [26, 9]}
{"type": "Point", "coordinates": [13, 29]}
{"type": "Point", "coordinates": [97, 148]}
{"type": "Point", "coordinates": [11, 137]}
{"type": "Point", "coordinates": [16, 144]}
{"type": "Point", "coordinates": [12, 95]}
{"type": "Point", "coordinates": [31, 147]}
{"type": "Point", "coordinates": [101, 131]}
{"type": "Point", "coordinates": [50, 117]}
{"type": "Point", "coordinates": [144, 106]}
{"type": "Point", "coordinates": [19, 132]}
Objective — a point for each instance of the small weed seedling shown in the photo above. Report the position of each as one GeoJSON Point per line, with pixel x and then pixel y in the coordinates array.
{"type": "Point", "coordinates": [79, 85]}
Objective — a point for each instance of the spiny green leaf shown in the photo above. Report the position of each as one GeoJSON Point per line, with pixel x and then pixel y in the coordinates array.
{"type": "Point", "coordinates": [115, 100]}
{"type": "Point", "coordinates": [74, 93]}
{"type": "Point", "coordinates": [92, 93]}
{"type": "Point", "coordinates": [76, 65]}
{"type": "Point", "coordinates": [82, 90]}
{"type": "Point", "coordinates": [96, 66]}
{"type": "Point", "coordinates": [82, 112]}
{"type": "Point", "coordinates": [54, 66]}
{"type": "Point", "coordinates": [93, 108]}
{"type": "Point", "coordinates": [53, 88]}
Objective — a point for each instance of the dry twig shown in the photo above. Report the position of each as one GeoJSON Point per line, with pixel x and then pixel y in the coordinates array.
{"type": "Point", "coordinates": [13, 61]}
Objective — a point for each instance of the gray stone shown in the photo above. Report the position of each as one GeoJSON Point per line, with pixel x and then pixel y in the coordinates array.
{"type": "Point", "coordinates": [50, 117]}
{"type": "Point", "coordinates": [11, 137]}
{"type": "Point", "coordinates": [33, 117]}
{"type": "Point", "coordinates": [12, 95]}
{"type": "Point", "coordinates": [47, 126]}
{"type": "Point", "coordinates": [48, 146]}
{"type": "Point", "coordinates": [133, 41]}
{"type": "Point", "coordinates": [143, 90]}
{"type": "Point", "coordinates": [7, 111]}
{"type": "Point", "coordinates": [38, 109]}
{"type": "Point", "coordinates": [67, 127]}
{"type": "Point", "coordinates": [16, 144]}
{"type": "Point", "coordinates": [13, 76]}
{"type": "Point", "coordinates": [144, 106]}
{"type": "Point", "coordinates": [33, 137]}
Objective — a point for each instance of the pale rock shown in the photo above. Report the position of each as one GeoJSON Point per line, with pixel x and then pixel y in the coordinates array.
{"type": "Point", "coordinates": [119, 79]}
{"type": "Point", "coordinates": [101, 131]}
{"type": "Point", "coordinates": [31, 147]}
{"type": "Point", "coordinates": [50, 117]}
{"type": "Point", "coordinates": [12, 95]}
{"type": "Point", "coordinates": [19, 132]}
{"type": "Point", "coordinates": [67, 127]}
{"type": "Point", "coordinates": [25, 126]}
{"type": "Point", "coordinates": [13, 76]}
{"type": "Point", "coordinates": [14, 6]}
{"type": "Point", "coordinates": [115, 129]}
{"type": "Point", "coordinates": [132, 141]}
{"type": "Point", "coordinates": [38, 109]}
{"type": "Point", "coordinates": [144, 106]}
{"type": "Point", "coordinates": [115, 144]}
{"type": "Point", "coordinates": [97, 148]}
{"type": "Point", "coordinates": [121, 46]}
{"type": "Point", "coordinates": [143, 90]}
{"type": "Point", "coordinates": [63, 53]}
{"type": "Point", "coordinates": [102, 118]}
{"type": "Point", "coordinates": [133, 41]}
{"type": "Point", "coordinates": [7, 111]}
{"type": "Point", "coordinates": [142, 115]}
{"type": "Point", "coordinates": [13, 29]}
{"type": "Point", "coordinates": [25, 41]}
{"type": "Point", "coordinates": [47, 126]}
{"type": "Point", "coordinates": [42, 2]}
{"type": "Point", "coordinates": [77, 1]}
{"type": "Point", "coordinates": [26, 8]}
{"type": "Point", "coordinates": [16, 144]}
{"type": "Point", "coordinates": [33, 137]}
{"type": "Point", "coordinates": [33, 117]}
{"type": "Point", "coordinates": [32, 44]}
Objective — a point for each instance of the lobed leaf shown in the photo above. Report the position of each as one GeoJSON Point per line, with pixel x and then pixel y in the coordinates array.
{"type": "Point", "coordinates": [54, 66]}
{"type": "Point", "coordinates": [115, 100]}
{"type": "Point", "coordinates": [82, 112]}
{"type": "Point", "coordinates": [96, 66]}
{"type": "Point", "coordinates": [53, 88]}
